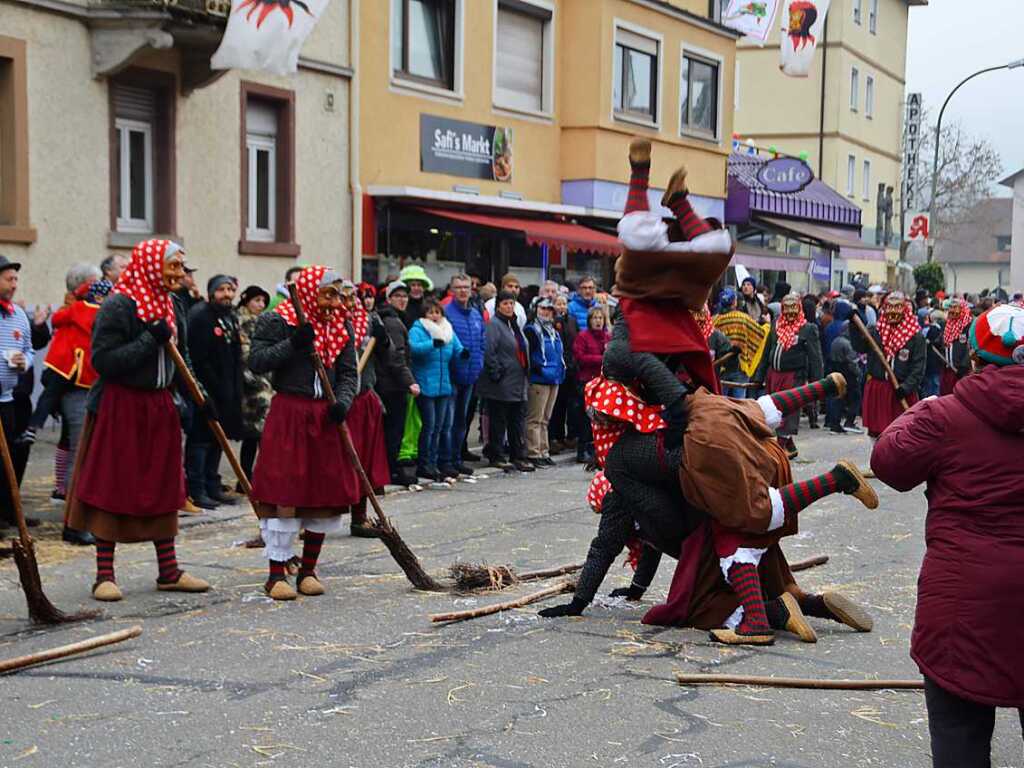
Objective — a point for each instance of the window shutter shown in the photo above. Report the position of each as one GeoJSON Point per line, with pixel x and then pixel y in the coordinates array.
{"type": "Point", "coordinates": [260, 118]}
{"type": "Point", "coordinates": [134, 103]}
{"type": "Point", "coordinates": [636, 42]}
{"type": "Point", "coordinates": [520, 75]}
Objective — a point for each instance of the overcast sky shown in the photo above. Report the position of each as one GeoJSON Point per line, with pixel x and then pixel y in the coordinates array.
{"type": "Point", "coordinates": [950, 39]}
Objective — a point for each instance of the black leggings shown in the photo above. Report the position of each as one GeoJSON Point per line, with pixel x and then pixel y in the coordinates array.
{"type": "Point", "coordinates": [961, 730]}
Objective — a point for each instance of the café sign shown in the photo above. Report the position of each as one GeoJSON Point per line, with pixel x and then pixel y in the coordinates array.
{"type": "Point", "coordinates": [785, 174]}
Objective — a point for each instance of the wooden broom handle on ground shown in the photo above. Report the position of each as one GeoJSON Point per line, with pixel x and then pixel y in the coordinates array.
{"type": "Point", "coordinates": [12, 483]}
{"type": "Point", "coordinates": [796, 682]}
{"type": "Point", "coordinates": [218, 431]}
{"type": "Point", "coordinates": [855, 319]}
{"type": "Point", "coordinates": [63, 651]}
{"type": "Point", "coordinates": [346, 436]}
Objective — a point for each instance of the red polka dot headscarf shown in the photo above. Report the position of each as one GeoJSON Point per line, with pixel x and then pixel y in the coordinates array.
{"type": "Point", "coordinates": [331, 336]}
{"type": "Point", "coordinates": [142, 281]}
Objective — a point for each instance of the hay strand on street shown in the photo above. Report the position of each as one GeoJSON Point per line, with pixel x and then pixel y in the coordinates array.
{"type": "Point", "coordinates": [486, 610]}
{"type": "Point", "coordinates": [811, 562]}
{"type": "Point", "coordinates": [797, 682]}
{"type": "Point", "coordinates": [63, 651]}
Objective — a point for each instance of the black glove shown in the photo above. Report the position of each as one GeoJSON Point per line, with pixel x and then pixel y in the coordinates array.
{"type": "Point", "coordinates": [574, 608]}
{"type": "Point", "coordinates": [302, 337]}
{"type": "Point", "coordinates": [209, 410]}
{"type": "Point", "coordinates": [901, 394]}
{"type": "Point", "coordinates": [632, 592]}
{"type": "Point", "coordinates": [159, 330]}
{"type": "Point", "coordinates": [438, 343]}
{"type": "Point", "coordinates": [336, 412]}
{"type": "Point", "coordinates": [379, 332]}
{"type": "Point", "coordinates": [675, 416]}
{"type": "Point", "coordinates": [464, 354]}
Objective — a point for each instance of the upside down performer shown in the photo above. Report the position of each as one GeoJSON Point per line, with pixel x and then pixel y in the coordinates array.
{"type": "Point", "coordinates": [899, 335]}
{"type": "Point", "coordinates": [132, 483]}
{"type": "Point", "coordinates": [302, 478]}
{"type": "Point", "coordinates": [703, 479]}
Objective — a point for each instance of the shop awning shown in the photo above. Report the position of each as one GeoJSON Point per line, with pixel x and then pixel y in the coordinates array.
{"type": "Point", "coordinates": [823, 234]}
{"type": "Point", "coordinates": [761, 258]}
{"type": "Point", "coordinates": [554, 234]}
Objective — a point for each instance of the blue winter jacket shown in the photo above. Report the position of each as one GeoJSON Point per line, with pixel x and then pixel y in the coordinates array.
{"type": "Point", "coordinates": [431, 366]}
{"type": "Point", "coordinates": [547, 364]}
{"type": "Point", "coordinates": [579, 308]}
{"type": "Point", "coordinates": [469, 328]}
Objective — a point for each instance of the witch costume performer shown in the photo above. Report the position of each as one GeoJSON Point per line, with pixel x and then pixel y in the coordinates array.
{"type": "Point", "coordinates": [131, 483]}
{"type": "Point", "coordinates": [302, 478]}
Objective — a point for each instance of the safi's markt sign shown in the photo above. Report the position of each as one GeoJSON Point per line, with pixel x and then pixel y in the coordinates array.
{"type": "Point", "coordinates": [785, 175]}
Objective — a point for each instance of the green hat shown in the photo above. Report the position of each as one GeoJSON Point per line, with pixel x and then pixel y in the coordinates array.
{"type": "Point", "coordinates": [416, 272]}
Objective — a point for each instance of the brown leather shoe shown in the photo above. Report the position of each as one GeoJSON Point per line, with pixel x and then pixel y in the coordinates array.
{"type": "Point", "coordinates": [188, 508]}
{"type": "Point", "coordinates": [107, 592]}
{"type": "Point", "coordinates": [797, 622]}
{"type": "Point", "coordinates": [840, 382]}
{"type": "Point", "coordinates": [640, 151]}
{"type": "Point", "coordinates": [732, 637]}
{"type": "Point", "coordinates": [863, 492]}
{"type": "Point", "coordinates": [676, 185]}
{"type": "Point", "coordinates": [310, 586]}
{"type": "Point", "coordinates": [280, 590]}
{"type": "Point", "coordinates": [848, 612]}
{"type": "Point", "coordinates": [185, 583]}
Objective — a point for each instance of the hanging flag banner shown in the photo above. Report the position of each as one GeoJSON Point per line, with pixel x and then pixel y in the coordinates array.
{"type": "Point", "coordinates": [267, 34]}
{"type": "Point", "coordinates": [802, 22]}
{"type": "Point", "coordinates": [754, 18]}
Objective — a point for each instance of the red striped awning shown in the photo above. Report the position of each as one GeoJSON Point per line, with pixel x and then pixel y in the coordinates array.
{"type": "Point", "coordinates": [554, 234]}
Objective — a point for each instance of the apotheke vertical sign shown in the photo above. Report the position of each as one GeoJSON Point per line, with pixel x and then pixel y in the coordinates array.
{"type": "Point", "coordinates": [458, 148]}
{"type": "Point", "coordinates": [911, 151]}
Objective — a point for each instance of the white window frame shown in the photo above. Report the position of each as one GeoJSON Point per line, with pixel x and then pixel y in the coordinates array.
{"type": "Point", "coordinates": [854, 88]}
{"type": "Point", "coordinates": [254, 143]}
{"type": "Point", "coordinates": [123, 126]}
{"type": "Point", "coordinates": [857, 11]}
{"type": "Point", "coordinates": [548, 75]}
{"type": "Point", "coordinates": [659, 41]}
{"type": "Point", "coordinates": [869, 97]}
{"type": "Point", "coordinates": [400, 84]}
{"type": "Point", "coordinates": [851, 173]}
{"type": "Point", "coordinates": [719, 63]}
{"type": "Point", "coordinates": [866, 181]}
{"type": "Point", "coordinates": [873, 17]}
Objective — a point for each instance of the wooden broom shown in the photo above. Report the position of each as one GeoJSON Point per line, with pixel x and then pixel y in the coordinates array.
{"type": "Point", "coordinates": [399, 550]}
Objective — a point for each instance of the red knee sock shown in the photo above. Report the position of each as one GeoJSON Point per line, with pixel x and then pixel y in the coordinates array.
{"type": "Point", "coordinates": [639, 179]}
{"type": "Point", "coordinates": [60, 470]}
{"type": "Point", "coordinates": [167, 561]}
{"type": "Point", "coordinates": [801, 494]}
{"type": "Point", "coordinates": [310, 552]}
{"type": "Point", "coordinates": [104, 560]}
{"type": "Point", "coordinates": [746, 584]}
{"type": "Point", "coordinates": [690, 224]}
{"type": "Point", "coordinates": [277, 570]}
{"type": "Point", "coordinates": [792, 400]}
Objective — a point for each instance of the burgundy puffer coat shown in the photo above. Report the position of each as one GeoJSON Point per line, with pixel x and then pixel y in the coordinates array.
{"type": "Point", "coordinates": [968, 447]}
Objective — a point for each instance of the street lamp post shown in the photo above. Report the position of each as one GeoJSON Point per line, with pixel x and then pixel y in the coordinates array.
{"type": "Point", "coordinates": [938, 136]}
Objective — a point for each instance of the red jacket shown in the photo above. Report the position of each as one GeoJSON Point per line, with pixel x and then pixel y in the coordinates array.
{"type": "Point", "coordinates": [71, 348]}
{"type": "Point", "coordinates": [588, 351]}
{"type": "Point", "coordinates": [967, 447]}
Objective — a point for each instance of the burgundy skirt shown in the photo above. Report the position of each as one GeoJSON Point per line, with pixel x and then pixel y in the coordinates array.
{"type": "Point", "coordinates": [948, 381]}
{"type": "Point", "coordinates": [366, 423]}
{"type": "Point", "coordinates": [133, 465]}
{"type": "Point", "coordinates": [302, 463]}
{"type": "Point", "coordinates": [778, 381]}
{"type": "Point", "coordinates": [880, 406]}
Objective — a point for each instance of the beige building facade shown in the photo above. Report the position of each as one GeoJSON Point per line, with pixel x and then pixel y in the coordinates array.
{"type": "Point", "coordinates": [114, 129]}
{"type": "Point", "coordinates": [559, 87]}
{"type": "Point", "coordinates": [846, 115]}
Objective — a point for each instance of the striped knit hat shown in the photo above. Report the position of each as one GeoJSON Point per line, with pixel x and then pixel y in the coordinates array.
{"type": "Point", "coordinates": [998, 335]}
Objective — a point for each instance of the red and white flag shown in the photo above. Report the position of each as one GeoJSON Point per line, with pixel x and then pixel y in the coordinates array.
{"type": "Point", "coordinates": [267, 34]}
{"type": "Point", "coordinates": [802, 22]}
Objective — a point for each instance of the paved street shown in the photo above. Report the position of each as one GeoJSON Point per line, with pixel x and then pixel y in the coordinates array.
{"type": "Point", "coordinates": [361, 678]}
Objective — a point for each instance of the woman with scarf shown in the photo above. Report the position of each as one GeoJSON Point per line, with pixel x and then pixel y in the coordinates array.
{"type": "Point", "coordinates": [792, 358]}
{"type": "Point", "coordinates": [547, 373]}
{"type": "Point", "coordinates": [303, 478]}
{"type": "Point", "coordinates": [131, 482]}
{"type": "Point", "coordinates": [898, 334]}
{"type": "Point", "coordinates": [504, 385]}
{"type": "Point", "coordinates": [366, 416]}
{"type": "Point", "coordinates": [433, 344]}
{"type": "Point", "coordinates": [957, 350]}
